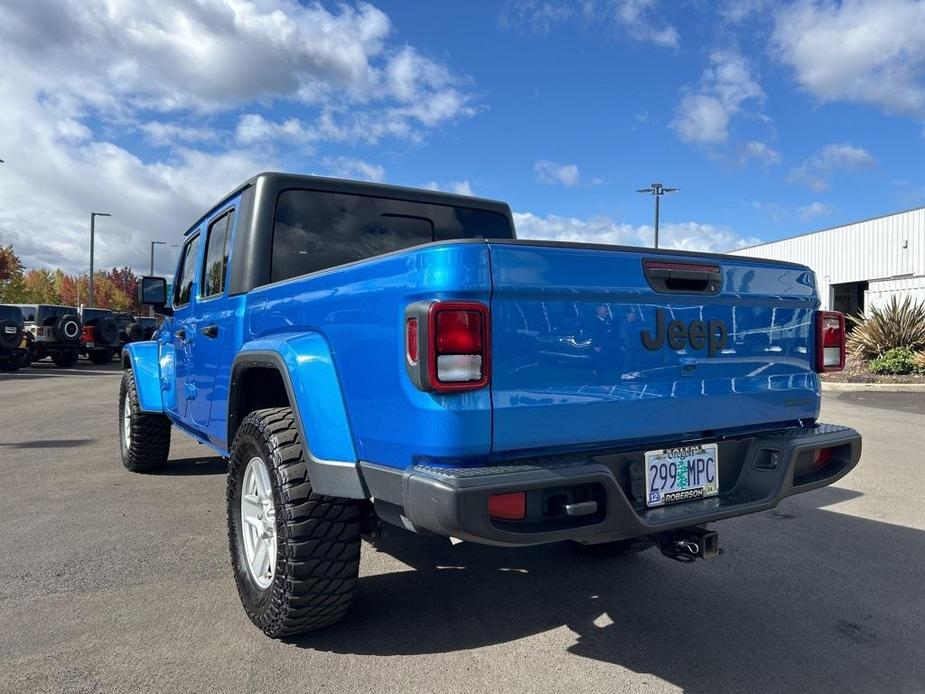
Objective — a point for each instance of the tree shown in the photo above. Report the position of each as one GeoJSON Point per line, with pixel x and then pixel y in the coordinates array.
{"type": "Point", "coordinates": [40, 288]}
{"type": "Point", "coordinates": [126, 281]}
{"type": "Point", "coordinates": [11, 269]}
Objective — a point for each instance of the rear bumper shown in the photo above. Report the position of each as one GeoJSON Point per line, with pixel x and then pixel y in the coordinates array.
{"type": "Point", "coordinates": [755, 474]}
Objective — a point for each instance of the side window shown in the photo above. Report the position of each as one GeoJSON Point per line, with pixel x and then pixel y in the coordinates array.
{"type": "Point", "coordinates": [183, 285]}
{"type": "Point", "coordinates": [217, 244]}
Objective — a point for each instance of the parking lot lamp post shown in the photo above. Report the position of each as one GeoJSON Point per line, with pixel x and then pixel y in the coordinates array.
{"type": "Point", "coordinates": [93, 216]}
{"type": "Point", "coordinates": [153, 244]}
{"type": "Point", "coordinates": [657, 190]}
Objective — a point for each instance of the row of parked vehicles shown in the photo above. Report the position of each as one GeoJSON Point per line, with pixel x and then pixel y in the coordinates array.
{"type": "Point", "coordinates": [32, 332]}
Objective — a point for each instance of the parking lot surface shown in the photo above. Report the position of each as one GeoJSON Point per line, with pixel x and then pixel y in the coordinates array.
{"type": "Point", "coordinates": [117, 582]}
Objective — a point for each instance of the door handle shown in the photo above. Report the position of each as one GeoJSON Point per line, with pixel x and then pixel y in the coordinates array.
{"type": "Point", "coordinates": [210, 331]}
{"type": "Point", "coordinates": [181, 335]}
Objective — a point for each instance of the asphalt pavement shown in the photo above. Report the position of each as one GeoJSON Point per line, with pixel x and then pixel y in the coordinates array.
{"type": "Point", "coordinates": [118, 582]}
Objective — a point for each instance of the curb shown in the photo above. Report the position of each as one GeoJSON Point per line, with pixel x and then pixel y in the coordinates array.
{"type": "Point", "coordinates": [830, 387]}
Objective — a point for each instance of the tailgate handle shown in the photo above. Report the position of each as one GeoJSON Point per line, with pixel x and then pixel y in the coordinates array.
{"type": "Point", "coordinates": [686, 278]}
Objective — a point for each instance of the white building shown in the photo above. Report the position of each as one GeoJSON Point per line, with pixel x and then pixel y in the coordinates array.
{"type": "Point", "coordinates": [862, 264]}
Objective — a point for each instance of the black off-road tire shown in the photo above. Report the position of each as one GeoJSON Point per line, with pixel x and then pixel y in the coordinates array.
{"type": "Point", "coordinates": [67, 328]}
{"type": "Point", "coordinates": [619, 548]}
{"type": "Point", "coordinates": [150, 433]}
{"type": "Point", "coordinates": [318, 537]}
{"type": "Point", "coordinates": [64, 359]}
{"type": "Point", "coordinates": [100, 356]}
{"type": "Point", "coordinates": [106, 331]}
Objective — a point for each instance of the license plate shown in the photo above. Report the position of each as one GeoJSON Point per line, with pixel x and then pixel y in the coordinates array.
{"type": "Point", "coordinates": [681, 474]}
{"type": "Point", "coordinates": [9, 330]}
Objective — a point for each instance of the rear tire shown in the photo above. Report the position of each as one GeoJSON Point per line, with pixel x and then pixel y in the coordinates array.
{"type": "Point", "coordinates": [144, 439]}
{"type": "Point", "coordinates": [100, 356]}
{"type": "Point", "coordinates": [308, 581]}
{"type": "Point", "coordinates": [65, 359]}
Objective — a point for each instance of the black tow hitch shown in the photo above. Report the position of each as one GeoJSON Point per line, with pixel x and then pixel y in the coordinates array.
{"type": "Point", "coordinates": [688, 544]}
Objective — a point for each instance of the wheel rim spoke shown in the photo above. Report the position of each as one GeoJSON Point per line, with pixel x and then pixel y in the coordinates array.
{"type": "Point", "coordinates": [258, 517]}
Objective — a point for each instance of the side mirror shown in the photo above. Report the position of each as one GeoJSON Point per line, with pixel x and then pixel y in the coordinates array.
{"type": "Point", "coordinates": [152, 291]}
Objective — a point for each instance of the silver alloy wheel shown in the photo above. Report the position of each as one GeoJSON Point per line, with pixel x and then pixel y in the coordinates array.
{"type": "Point", "coordinates": [258, 523]}
{"type": "Point", "coordinates": [127, 421]}
{"type": "Point", "coordinates": [71, 329]}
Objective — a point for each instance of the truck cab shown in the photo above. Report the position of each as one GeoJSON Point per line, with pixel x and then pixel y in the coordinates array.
{"type": "Point", "coordinates": [369, 356]}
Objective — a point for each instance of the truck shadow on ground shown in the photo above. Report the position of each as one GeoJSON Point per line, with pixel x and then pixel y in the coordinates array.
{"type": "Point", "coordinates": [212, 465]}
{"type": "Point", "coordinates": [802, 598]}
{"type": "Point", "coordinates": [39, 370]}
{"type": "Point", "coordinates": [49, 443]}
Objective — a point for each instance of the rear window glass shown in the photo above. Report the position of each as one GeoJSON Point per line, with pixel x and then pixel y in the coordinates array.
{"type": "Point", "coordinates": [28, 312]}
{"type": "Point", "coordinates": [316, 230]}
{"type": "Point", "coordinates": [48, 315]}
{"type": "Point", "coordinates": [10, 313]}
{"type": "Point", "coordinates": [94, 313]}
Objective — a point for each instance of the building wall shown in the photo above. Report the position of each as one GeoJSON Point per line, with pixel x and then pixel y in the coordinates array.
{"type": "Point", "coordinates": [876, 249]}
{"type": "Point", "coordinates": [879, 293]}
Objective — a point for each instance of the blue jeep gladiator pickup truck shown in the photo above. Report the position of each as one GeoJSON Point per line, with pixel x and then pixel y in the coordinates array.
{"type": "Point", "coordinates": [367, 354]}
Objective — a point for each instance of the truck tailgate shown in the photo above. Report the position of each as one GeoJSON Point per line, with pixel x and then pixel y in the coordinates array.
{"type": "Point", "coordinates": [577, 360]}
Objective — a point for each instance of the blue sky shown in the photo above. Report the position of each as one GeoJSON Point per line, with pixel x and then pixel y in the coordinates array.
{"type": "Point", "coordinates": [773, 118]}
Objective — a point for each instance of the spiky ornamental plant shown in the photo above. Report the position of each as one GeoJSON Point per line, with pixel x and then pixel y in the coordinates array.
{"type": "Point", "coordinates": [898, 324]}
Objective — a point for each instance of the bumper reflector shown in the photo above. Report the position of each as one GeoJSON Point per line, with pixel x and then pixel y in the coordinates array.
{"type": "Point", "coordinates": [511, 506]}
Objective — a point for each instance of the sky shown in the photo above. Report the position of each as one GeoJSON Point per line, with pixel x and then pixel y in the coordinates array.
{"type": "Point", "coordinates": [773, 118]}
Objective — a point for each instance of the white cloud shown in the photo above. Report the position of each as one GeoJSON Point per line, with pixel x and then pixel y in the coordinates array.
{"type": "Point", "coordinates": [736, 11]}
{"type": "Point", "coordinates": [637, 19]}
{"type": "Point", "coordinates": [190, 59]}
{"type": "Point", "coordinates": [814, 210]}
{"type": "Point", "coordinates": [814, 172]}
{"type": "Point", "coordinates": [164, 134]}
{"type": "Point", "coordinates": [691, 236]}
{"type": "Point", "coordinates": [551, 173]}
{"type": "Point", "coordinates": [458, 187]}
{"type": "Point", "coordinates": [703, 114]}
{"type": "Point", "coordinates": [867, 51]}
{"type": "Point", "coordinates": [760, 152]}
{"type": "Point", "coordinates": [345, 167]}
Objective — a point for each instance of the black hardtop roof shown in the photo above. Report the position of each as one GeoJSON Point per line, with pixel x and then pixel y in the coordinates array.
{"type": "Point", "coordinates": [38, 306]}
{"type": "Point", "coordinates": [283, 181]}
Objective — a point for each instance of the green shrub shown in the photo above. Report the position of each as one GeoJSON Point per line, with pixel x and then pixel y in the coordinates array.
{"type": "Point", "coordinates": [895, 361]}
{"type": "Point", "coordinates": [897, 325]}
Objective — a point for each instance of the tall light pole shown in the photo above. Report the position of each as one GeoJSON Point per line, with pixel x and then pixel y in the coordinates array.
{"type": "Point", "coordinates": [153, 244]}
{"type": "Point", "coordinates": [93, 216]}
{"type": "Point", "coordinates": [657, 190]}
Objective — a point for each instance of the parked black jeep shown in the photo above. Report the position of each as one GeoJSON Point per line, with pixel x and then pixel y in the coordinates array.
{"type": "Point", "coordinates": [99, 338]}
{"type": "Point", "coordinates": [55, 332]}
{"type": "Point", "coordinates": [134, 328]}
{"type": "Point", "coordinates": [13, 340]}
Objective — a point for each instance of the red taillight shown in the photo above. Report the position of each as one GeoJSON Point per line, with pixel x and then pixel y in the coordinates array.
{"type": "Point", "coordinates": [511, 506]}
{"type": "Point", "coordinates": [459, 331]}
{"type": "Point", "coordinates": [448, 345]}
{"type": "Point", "coordinates": [411, 340]}
{"type": "Point", "coordinates": [88, 333]}
{"type": "Point", "coordinates": [830, 341]}
{"type": "Point", "coordinates": [821, 457]}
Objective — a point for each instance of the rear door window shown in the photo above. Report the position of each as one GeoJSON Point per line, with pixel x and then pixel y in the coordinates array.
{"type": "Point", "coordinates": [316, 230]}
{"type": "Point", "coordinates": [183, 287]}
{"type": "Point", "coordinates": [213, 269]}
